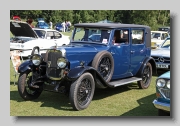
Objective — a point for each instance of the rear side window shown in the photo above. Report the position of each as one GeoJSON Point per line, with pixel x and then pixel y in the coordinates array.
{"type": "Point", "coordinates": [137, 36]}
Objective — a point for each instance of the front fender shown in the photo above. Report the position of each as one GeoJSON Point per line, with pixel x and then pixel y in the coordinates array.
{"type": "Point", "coordinates": [25, 66]}
{"type": "Point", "coordinates": [75, 73]}
{"type": "Point", "coordinates": [153, 64]}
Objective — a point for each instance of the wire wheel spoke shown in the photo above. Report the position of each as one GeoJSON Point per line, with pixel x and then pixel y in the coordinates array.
{"type": "Point", "coordinates": [105, 67]}
{"type": "Point", "coordinates": [84, 92]}
{"type": "Point", "coordinates": [28, 81]}
{"type": "Point", "coordinates": [146, 75]}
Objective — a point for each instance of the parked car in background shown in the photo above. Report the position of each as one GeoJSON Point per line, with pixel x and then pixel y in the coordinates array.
{"type": "Point", "coordinates": [58, 27]}
{"type": "Point", "coordinates": [17, 18]}
{"type": "Point", "coordinates": [26, 38]}
{"type": "Point", "coordinates": [83, 65]}
{"type": "Point", "coordinates": [167, 29]}
{"type": "Point", "coordinates": [157, 37]}
{"type": "Point", "coordinates": [53, 35]}
{"type": "Point", "coordinates": [162, 55]}
{"type": "Point", "coordinates": [162, 102]}
{"type": "Point", "coordinates": [42, 24]}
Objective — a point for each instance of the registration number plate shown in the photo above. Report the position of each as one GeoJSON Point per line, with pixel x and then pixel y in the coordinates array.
{"type": "Point", "coordinates": [161, 66]}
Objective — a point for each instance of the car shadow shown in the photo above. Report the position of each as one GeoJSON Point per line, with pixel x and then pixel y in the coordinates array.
{"type": "Point", "coordinates": [145, 108]}
{"type": "Point", "coordinates": [61, 102]}
{"type": "Point", "coordinates": [107, 92]}
{"type": "Point", "coordinates": [47, 99]}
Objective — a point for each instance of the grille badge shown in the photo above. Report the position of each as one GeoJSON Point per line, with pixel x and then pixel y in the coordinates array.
{"type": "Point", "coordinates": [161, 59]}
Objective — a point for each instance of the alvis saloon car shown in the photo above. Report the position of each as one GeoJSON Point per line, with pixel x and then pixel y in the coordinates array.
{"type": "Point", "coordinates": [78, 68]}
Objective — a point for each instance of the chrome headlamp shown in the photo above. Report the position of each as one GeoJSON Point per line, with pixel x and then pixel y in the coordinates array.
{"type": "Point", "coordinates": [160, 83]}
{"type": "Point", "coordinates": [62, 62]}
{"type": "Point", "coordinates": [36, 59]}
{"type": "Point", "coordinates": [168, 84]}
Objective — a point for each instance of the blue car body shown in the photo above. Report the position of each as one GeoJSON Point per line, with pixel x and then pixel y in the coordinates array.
{"type": "Point", "coordinates": [87, 63]}
{"type": "Point", "coordinates": [59, 27]}
{"type": "Point", "coordinates": [162, 102]}
{"type": "Point", "coordinates": [42, 24]}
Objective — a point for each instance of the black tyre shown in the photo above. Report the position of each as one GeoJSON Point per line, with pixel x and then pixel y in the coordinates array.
{"type": "Point", "coordinates": [82, 91]}
{"type": "Point", "coordinates": [146, 77]}
{"type": "Point", "coordinates": [25, 92]}
{"type": "Point", "coordinates": [163, 113]}
{"type": "Point", "coordinates": [103, 62]}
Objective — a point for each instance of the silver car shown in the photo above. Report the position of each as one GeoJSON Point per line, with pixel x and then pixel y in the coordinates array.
{"type": "Point", "coordinates": [162, 55]}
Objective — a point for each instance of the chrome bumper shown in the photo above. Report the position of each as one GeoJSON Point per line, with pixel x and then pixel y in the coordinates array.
{"type": "Point", "coordinates": [162, 106]}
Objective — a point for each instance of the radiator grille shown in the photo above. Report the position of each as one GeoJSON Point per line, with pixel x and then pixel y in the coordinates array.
{"type": "Point", "coordinates": [165, 93]}
{"type": "Point", "coordinates": [165, 59]}
{"type": "Point", "coordinates": [52, 68]}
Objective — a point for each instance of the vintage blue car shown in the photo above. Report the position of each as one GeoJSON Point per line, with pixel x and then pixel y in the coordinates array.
{"type": "Point", "coordinates": [78, 68]}
{"type": "Point", "coordinates": [58, 27]}
{"type": "Point", "coordinates": [162, 102]}
{"type": "Point", "coordinates": [42, 24]}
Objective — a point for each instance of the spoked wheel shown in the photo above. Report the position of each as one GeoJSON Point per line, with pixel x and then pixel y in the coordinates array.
{"type": "Point", "coordinates": [103, 62]}
{"type": "Point", "coordinates": [146, 77]}
{"type": "Point", "coordinates": [82, 91]}
{"type": "Point", "coordinates": [24, 90]}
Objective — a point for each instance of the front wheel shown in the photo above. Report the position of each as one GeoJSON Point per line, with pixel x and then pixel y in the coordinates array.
{"type": "Point", "coordinates": [82, 91]}
{"type": "Point", "coordinates": [146, 77]}
{"type": "Point", "coordinates": [25, 92]}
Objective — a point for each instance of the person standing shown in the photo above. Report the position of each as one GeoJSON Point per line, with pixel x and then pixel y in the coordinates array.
{"type": "Point", "coordinates": [64, 26]}
{"type": "Point", "coordinates": [50, 23]}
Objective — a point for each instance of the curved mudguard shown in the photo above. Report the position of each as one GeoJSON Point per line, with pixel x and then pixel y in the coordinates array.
{"type": "Point", "coordinates": [75, 73]}
{"type": "Point", "coordinates": [26, 65]}
{"type": "Point", "coordinates": [153, 64]}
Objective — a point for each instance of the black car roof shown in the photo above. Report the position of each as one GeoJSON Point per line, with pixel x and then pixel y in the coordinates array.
{"type": "Point", "coordinates": [110, 25]}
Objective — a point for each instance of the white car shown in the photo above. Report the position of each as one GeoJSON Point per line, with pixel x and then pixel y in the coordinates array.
{"type": "Point", "coordinates": [157, 37]}
{"type": "Point", "coordinates": [26, 38]}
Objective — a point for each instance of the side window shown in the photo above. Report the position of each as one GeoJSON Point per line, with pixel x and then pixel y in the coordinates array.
{"type": "Point", "coordinates": [57, 35]}
{"type": "Point", "coordinates": [121, 37]}
{"type": "Point", "coordinates": [49, 35]}
{"type": "Point", "coordinates": [137, 36]}
{"type": "Point", "coordinates": [165, 35]}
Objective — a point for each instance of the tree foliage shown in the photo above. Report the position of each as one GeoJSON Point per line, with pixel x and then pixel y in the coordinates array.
{"type": "Point", "coordinates": [152, 18]}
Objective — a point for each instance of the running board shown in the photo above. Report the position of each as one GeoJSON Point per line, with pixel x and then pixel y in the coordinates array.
{"type": "Point", "coordinates": [124, 81]}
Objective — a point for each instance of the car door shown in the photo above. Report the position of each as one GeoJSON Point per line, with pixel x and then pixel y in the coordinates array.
{"type": "Point", "coordinates": [138, 50]}
{"type": "Point", "coordinates": [121, 54]}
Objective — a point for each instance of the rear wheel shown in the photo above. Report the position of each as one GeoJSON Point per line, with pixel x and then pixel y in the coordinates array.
{"type": "Point", "coordinates": [146, 77]}
{"type": "Point", "coordinates": [82, 91]}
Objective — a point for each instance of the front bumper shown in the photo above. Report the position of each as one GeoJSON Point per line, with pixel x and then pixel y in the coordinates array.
{"type": "Point", "coordinates": [161, 105]}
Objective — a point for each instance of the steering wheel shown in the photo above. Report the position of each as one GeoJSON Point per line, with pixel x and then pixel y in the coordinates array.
{"type": "Point", "coordinates": [88, 39]}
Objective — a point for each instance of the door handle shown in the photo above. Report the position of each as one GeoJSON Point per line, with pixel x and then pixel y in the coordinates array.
{"type": "Point", "coordinates": [132, 51]}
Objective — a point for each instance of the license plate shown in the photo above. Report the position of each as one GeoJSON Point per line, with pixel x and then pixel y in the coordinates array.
{"type": "Point", "coordinates": [161, 66]}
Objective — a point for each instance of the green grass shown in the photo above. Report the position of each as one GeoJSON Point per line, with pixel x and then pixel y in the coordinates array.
{"type": "Point", "coordinates": [127, 100]}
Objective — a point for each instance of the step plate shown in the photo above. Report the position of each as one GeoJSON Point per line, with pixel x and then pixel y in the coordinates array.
{"type": "Point", "coordinates": [124, 81]}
